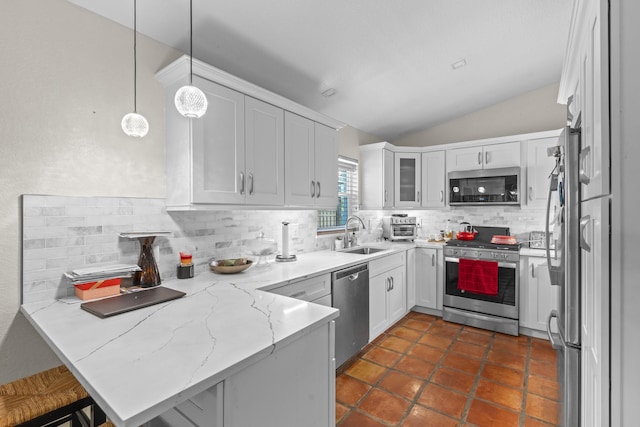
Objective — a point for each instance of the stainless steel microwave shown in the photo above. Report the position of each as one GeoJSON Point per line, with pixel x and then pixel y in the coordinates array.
{"type": "Point", "coordinates": [485, 187]}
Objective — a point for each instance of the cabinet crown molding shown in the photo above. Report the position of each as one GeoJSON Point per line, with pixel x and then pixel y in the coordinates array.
{"type": "Point", "coordinates": [179, 69]}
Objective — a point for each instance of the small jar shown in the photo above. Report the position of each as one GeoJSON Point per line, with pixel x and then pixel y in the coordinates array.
{"type": "Point", "coordinates": [337, 244]}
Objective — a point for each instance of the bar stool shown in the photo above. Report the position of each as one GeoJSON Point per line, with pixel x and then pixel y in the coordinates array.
{"type": "Point", "coordinates": [52, 397]}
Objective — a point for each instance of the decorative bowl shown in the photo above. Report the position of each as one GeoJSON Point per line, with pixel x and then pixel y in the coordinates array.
{"type": "Point", "coordinates": [230, 266]}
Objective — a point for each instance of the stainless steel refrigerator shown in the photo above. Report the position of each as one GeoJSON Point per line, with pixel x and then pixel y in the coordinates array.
{"type": "Point", "coordinates": [563, 228]}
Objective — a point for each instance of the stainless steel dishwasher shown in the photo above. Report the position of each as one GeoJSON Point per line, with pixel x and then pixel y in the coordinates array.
{"type": "Point", "coordinates": [350, 294]}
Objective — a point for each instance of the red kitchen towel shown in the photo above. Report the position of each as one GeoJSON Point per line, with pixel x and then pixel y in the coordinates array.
{"type": "Point", "coordinates": [480, 277]}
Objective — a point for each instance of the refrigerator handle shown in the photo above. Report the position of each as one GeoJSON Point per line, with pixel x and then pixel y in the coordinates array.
{"type": "Point", "coordinates": [555, 273]}
{"type": "Point", "coordinates": [555, 344]}
{"type": "Point", "coordinates": [584, 178]}
{"type": "Point", "coordinates": [583, 225]}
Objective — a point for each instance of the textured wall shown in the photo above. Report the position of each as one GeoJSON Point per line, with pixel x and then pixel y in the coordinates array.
{"type": "Point", "coordinates": [534, 111]}
{"type": "Point", "coordinates": [66, 82]}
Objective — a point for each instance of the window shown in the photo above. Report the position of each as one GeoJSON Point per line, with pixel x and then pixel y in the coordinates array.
{"type": "Point", "coordinates": [347, 203]}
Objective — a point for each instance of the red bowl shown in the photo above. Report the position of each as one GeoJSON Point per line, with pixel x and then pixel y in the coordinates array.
{"type": "Point", "coordinates": [504, 240]}
{"type": "Point", "coordinates": [465, 235]}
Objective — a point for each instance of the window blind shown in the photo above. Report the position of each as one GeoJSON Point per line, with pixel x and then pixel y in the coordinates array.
{"type": "Point", "coordinates": [348, 202]}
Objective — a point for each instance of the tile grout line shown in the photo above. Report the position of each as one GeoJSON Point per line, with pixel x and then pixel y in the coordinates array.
{"type": "Point", "coordinates": [434, 324]}
{"type": "Point", "coordinates": [525, 386]}
{"type": "Point", "coordinates": [427, 380]}
{"type": "Point", "coordinates": [472, 392]}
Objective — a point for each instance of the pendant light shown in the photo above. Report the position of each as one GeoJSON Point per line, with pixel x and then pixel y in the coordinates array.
{"type": "Point", "coordinates": [191, 101]}
{"type": "Point", "coordinates": [134, 124]}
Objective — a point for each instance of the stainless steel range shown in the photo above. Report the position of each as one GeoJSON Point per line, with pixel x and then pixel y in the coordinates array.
{"type": "Point", "coordinates": [496, 306]}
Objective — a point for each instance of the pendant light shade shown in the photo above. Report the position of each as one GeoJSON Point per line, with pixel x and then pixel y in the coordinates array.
{"type": "Point", "coordinates": [134, 124]}
{"type": "Point", "coordinates": [190, 101]}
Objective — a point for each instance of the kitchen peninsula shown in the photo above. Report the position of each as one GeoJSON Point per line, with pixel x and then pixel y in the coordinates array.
{"type": "Point", "coordinates": [227, 345]}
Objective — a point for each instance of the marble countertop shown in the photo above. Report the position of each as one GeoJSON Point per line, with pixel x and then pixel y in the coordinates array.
{"type": "Point", "coordinates": [139, 364]}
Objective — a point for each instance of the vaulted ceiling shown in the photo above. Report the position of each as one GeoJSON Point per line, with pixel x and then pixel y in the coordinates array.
{"type": "Point", "coordinates": [391, 63]}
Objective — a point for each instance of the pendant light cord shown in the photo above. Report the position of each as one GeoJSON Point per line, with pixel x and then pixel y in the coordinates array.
{"type": "Point", "coordinates": [135, 56]}
{"type": "Point", "coordinates": [191, 42]}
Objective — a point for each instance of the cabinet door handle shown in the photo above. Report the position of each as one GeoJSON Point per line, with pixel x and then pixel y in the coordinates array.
{"type": "Point", "coordinates": [533, 271]}
{"type": "Point", "coordinates": [530, 192]}
{"type": "Point", "coordinates": [433, 260]}
{"type": "Point", "coordinates": [418, 197]}
{"type": "Point", "coordinates": [392, 283]}
{"type": "Point", "coordinates": [441, 195]}
{"type": "Point", "coordinates": [313, 189]}
{"type": "Point", "coordinates": [584, 178]}
{"type": "Point", "coordinates": [250, 183]}
{"type": "Point", "coordinates": [318, 183]}
{"type": "Point", "coordinates": [241, 182]}
{"type": "Point", "coordinates": [388, 284]}
{"type": "Point", "coordinates": [486, 158]}
{"type": "Point", "coordinates": [583, 225]}
{"type": "Point", "coordinates": [479, 157]}
{"type": "Point", "coordinates": [385, 195]}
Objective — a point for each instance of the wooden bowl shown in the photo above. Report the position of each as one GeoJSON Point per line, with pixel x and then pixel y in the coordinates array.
{"type": "Point", "coordinates": [219, 267]}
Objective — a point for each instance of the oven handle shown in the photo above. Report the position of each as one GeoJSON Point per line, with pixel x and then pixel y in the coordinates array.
{"type": "Point", "coordinates": [512, 265]}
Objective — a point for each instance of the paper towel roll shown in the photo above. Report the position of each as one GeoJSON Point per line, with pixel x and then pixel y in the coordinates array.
{"type": "Point", "coordinates": [285, 239]}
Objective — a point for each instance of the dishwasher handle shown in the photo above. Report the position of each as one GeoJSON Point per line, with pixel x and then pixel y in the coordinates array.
{"type": "Point", "coordinates": [352, 273]}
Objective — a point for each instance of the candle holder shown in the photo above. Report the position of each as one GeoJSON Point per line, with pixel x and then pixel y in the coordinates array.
{"type": "Point", "coordinates": [149, 275]}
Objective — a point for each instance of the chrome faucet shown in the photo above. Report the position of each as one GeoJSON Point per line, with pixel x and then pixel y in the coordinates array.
{"type": "Point", "coordinates": [347, 239]}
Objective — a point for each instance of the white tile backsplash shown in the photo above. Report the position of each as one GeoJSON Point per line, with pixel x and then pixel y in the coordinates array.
{"type": "Point", "coordinates": [64, 233]}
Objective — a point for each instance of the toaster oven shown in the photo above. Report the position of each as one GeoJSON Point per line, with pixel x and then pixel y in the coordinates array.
{"type": "Point", "coordinates": [399, 227]}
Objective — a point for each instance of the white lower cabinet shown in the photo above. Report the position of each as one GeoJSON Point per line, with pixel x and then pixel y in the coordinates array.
{"type": "Point", "coordinates": [278, 390]}
{"type": "Point", "coordinates": [428, 278]}
{"type": "Point", "coordinates": [537, 297]}
{"type": "Point", "coordinates": [387, 293]}
{"type": "Point", "coordinates": [411, 278]}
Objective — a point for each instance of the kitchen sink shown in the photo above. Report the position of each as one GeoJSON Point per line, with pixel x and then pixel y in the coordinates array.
{"type": "Point", "coordinates": [363, 250]}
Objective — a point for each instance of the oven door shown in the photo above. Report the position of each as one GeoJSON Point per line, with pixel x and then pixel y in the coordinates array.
{"type": "Point", "coordinates": [505, 304]}
{"type": "Point", "coordinates": [404, 231]}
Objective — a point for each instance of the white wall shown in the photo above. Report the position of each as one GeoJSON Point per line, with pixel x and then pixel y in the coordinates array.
{"type": "Point", "coordinates": [66, 82]}
{"type": "Point", "coordinates": [533, 111]}
{"type": "Point", "coordinates": [351, 138]}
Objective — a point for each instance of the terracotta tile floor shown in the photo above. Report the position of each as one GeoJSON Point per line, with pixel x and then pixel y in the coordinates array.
{"type": "Point", "coordinates": [424, 371]}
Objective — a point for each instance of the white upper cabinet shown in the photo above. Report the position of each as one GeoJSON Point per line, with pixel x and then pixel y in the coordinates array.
{"type": "Point", "coordinates": [311, 156]}
{"type": "Point", "coordinates": [594, 78]}
{"type": "Point", "coordinates": [539, 166]}
{"type": "Point", "coordinates": [264, 153]}
{"type": "Point", "coordinates": [484, 157]}
{"type": "Point", "coordinates": [235, 153]}
{"type": "Point", "coordinates": [238, 149]}
{"type": "Point", "coordinates": [376, 177]}
{"type": "Point", "coordinates": [218, 147]}
{"type": "Point", "coordinates": [433, 180]}
{"type": "Point", "coordinates": [407, 180]}
{"type": "Point", "coordinates": [585, 77]}
{"type": "Point", "coordinates": [326, 166]}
